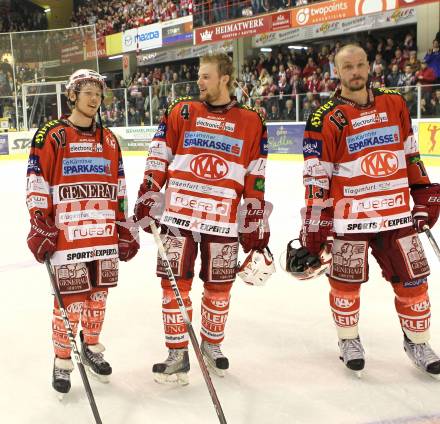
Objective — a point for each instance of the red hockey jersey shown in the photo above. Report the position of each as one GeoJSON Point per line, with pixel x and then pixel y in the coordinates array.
{"type": "Point", "coordinates": [209, 158]}
{"type": "Point", "coordinates": [80, 184]}
{"type": "Point", "coordinates": [361, 160]}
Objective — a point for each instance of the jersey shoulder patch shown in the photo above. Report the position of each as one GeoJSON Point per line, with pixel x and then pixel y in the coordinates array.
{"type": "Point", "coordinates": [316, 119]}
{"type": "Point", "coordinates": [40, 135]}
{"type": "Point", "coordinates": [252, 109]}
{"type": "Point", "coordinates": [177, 101]}
{"type": "Point", "coordinates": [380, 91]}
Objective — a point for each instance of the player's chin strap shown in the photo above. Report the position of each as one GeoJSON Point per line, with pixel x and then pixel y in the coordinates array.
{"type": "Point", "coordinates": [431, 239]}
{"type": "Point", "coordinates": [304, 265]}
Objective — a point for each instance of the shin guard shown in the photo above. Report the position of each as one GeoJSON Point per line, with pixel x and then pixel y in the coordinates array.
{"type": "Point", "coordinates": [414, 310]}
{"type": "Point", "coordinates": [345, 304]}
{"type": "Point", "coordinates": [176, 335]}
{"type": "Point", "coordinates": [215, 308]}
{"type": "Point", "coordinates": [92, 317]}
{"type": "Point", "coordinates": [61, 344]}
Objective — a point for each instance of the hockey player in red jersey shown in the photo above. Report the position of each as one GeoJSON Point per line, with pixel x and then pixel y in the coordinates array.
{"type": "Point", "coordinates": [76, 199]}
{"type": "Point", "coordinates": [361, 165]}
{"type": "Point", "coordinates": [207, 154]}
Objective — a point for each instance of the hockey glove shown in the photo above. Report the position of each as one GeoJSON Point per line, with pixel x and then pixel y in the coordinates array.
{"type": "Point", "coordinates": [149, 207]}
{"type": "Point", "coordinates": [317, 229]}
{"type": "Point", "coordinates": [42, 238]}
{"type": "Point", "coordinates": [128, 243]}
{"type": "Point", "coordinates": [426, 205]}
{"type": "Point", "coordinates": [253, 221]}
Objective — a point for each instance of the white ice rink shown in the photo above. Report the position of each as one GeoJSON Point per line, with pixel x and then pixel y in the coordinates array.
{"type": "Point", "coordinates": [280, 339]}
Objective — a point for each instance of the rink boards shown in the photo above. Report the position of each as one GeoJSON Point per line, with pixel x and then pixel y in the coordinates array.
{"type": "Point", "coordinates": [285, 140]}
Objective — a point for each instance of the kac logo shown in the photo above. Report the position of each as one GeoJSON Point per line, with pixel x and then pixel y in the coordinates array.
{"type": "Point", "coordinates": [380, 164]}
{"type": "Point", "coordinates": [209, 167]}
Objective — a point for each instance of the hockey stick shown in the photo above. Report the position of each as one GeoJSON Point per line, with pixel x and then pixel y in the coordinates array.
{"type": "Point", "coordinates": [73, 342]}
{"type": "Point", "coordinates": [187, 321]}
{"type": "Point", "coordinates": [432, 241]}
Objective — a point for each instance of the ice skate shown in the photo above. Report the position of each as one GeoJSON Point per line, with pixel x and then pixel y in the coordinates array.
{"type": "Point", "coordinates": [214, 358]}
{"type": "Point", "coordinates": [174, 369]}
{"type": "Point", "coordinates": [423, 357]}
{"type": "Point", "coordinates": [352, 354]}
{"type": "Point", "coordinates": [61, 376]}
{"type": "Point", "coordinates": [94, 361]}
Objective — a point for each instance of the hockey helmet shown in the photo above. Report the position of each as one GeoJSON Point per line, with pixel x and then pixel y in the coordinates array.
{"type": "Point", "coordinates": [304, 265]}
{"type": "Point", "coordinates": [82, 75]}
{"type": "Point", "coordinates": [257, 267]}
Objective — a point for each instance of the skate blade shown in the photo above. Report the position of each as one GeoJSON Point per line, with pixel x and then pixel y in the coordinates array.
{"type": "Point", "coordinates": [98, 377]}
{"type": "Point", "coordinates": [179, 378]}
{"type": "Point", "coordinates": [211, 367]}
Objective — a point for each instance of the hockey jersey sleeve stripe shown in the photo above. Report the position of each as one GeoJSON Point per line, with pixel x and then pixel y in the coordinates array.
{"type": "Point", "coordinates": [257, 167]}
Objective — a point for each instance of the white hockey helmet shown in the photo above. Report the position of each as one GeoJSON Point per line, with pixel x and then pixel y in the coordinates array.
{"type": "Point", "coordinates": [257, 267]}
{"type": "Point", "coordinates": [82, 75]}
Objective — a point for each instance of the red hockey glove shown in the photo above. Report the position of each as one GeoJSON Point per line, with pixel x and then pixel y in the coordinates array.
{"type": "Point", "coordinates": [149, 207]}
{"type": "Point", "coordinates": [426, 205]}
{"type": "Point", "coordinates": [42, 238]}
{"type": "Point", "coordinates": [128, 243]}
{"type": "Point", "coordinates": [253, 221]}
{"type": "Point", "coordinates": [316, 230]}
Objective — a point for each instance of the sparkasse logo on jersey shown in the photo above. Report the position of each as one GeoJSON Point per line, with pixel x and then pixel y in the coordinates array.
{"type": "Point", "coordinates": [373, 138]}
{"type": "Point", "coordinates": [89, 165]}
{"type": "Point", "coordinates": [219, 142]}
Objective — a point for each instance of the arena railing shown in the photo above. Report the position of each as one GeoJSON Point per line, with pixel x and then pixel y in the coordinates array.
{"type": "Point", "coordinates": [125, 107]}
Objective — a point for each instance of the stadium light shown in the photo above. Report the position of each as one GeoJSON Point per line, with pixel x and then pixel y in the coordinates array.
{"type": "Point", "coordinates": [297, 47]}
{"type": "Point", "coordinates": [118, 56]}
{"type": "Point", "coordinates": [265, 49]}
{"type": "Point", "coordinates": [47, 10]}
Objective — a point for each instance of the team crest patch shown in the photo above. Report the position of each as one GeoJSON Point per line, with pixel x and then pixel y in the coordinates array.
{"type": "Point", "coordinates": [349, 261]}
{"type": "Point", "coordinates": [414, 256]}
{"type": "Point", "coordinates": [223, 261]}
{"type": "Point", "coordinates": [174, 248]}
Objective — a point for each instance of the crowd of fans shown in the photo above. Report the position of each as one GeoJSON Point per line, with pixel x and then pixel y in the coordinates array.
{"type": "Point", "coordinates": [119, 15]}
{"type": "Point", "coordinates": [21, 16]}
{"type": "Point", "coordinates": [280, 82]}
{"type": "Point", "coordinates": [207, 12]}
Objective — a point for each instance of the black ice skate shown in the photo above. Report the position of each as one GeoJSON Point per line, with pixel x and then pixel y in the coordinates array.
{"type": "Point", "coordinates": [61, 376]}
{"type": "Point", "coordinates": [174, 369]}
{"type": "Point", "coordinates": [94, 361]}
{"type": "Point", "coordinates": [352, 354]}
{"type": "Point", "coordinates": [423, 357]}
{"type": "Point", "coordinates": [214, 358]}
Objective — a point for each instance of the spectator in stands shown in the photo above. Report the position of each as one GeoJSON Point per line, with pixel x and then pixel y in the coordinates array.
{"type": "Point", "coordinates": [274, 114]}
{"type": "Point", "coordinates": [378, 78]}
{"type": "Point", "coordinates": [306, 111]}
{"type": "Point", "coordinates": [395, 77]}
{"type": "Point", "coordinates": [432, 58]}
{"type": "Point", "coordinates": [309, 68]}
{"type": "Point", "coordinates": [426, 75]}
{"type": "Point", "coordinates": [378, 61]}
{"type": "Point", "coordinates": [413, 61]}
{"type": "Point", "coordinates": [398, 60]}
{"type": "Point", "coordinates": [435, 104]}
{"type": "Point", "coordinates": [289, 113]}
{"type": "Point", "coordinates": [408, 78]}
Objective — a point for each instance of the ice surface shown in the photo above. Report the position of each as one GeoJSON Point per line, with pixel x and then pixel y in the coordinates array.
{"type": "Point", "coordinates": [280, 339]}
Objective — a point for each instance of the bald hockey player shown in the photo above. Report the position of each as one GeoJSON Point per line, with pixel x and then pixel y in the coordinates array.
{"type": "Point", "coordinates": [361, 169]}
